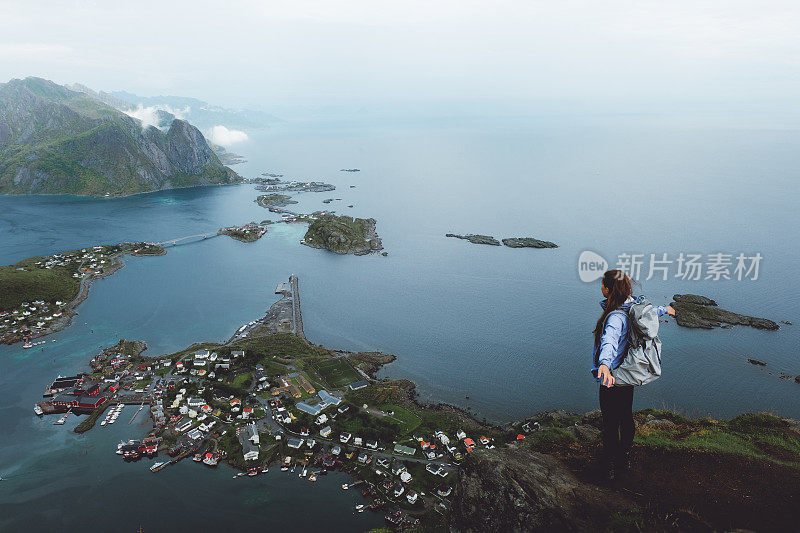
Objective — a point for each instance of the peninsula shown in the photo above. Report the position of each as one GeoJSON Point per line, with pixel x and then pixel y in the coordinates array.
{"type": "Point", "coordinates": [40, 294]}
{"type": "Point", "coordinates": [269, 397]}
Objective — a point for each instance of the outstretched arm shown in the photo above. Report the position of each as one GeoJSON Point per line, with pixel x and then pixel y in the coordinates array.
{"type": "Point", "coordinates": [665, 310]}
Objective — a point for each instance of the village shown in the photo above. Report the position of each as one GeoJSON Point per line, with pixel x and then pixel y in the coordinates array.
{"type": "Point", "coordinates": [40, 293]}
{"type": "Point", "coordinates": [268, 399]}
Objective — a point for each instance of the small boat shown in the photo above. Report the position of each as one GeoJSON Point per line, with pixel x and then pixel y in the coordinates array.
{"type": "Point", "coordinates": [264, 470]}
{"type": "Point", "coordinates": [345, 486]}
{"type": "Point", "coordinates": [157, 466]}
{"type": "Point", "coordinates": [360, 507]}
{"type": "Point", "coordinates": [284, 468]}
{"type": "Point", "coordinates": [103, 423]}
{"type": "Point", "coordinates": [240, 474]}
{"type": "Point", "coordinates": [313, 476]}
{"type": "Point", "coordinates": [304, 472]}
{"type": "Point", "coordinates": [38, 410]}
{"type": "Point", "coordinates": [27, 345]}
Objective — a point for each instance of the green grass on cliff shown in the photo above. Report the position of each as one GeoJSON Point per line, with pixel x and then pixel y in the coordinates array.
{"type": "Point", "coordinates": [34, 283]}
{"type": "Point", "coordinates": [758, 435]}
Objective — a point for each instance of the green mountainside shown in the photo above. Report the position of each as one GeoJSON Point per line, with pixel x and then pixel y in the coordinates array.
{"type": "Point", "coordinates": [54, 140]}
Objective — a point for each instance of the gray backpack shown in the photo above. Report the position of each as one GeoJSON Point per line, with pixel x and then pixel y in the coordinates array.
{"type": "Point", "coordinates": [642, 362]}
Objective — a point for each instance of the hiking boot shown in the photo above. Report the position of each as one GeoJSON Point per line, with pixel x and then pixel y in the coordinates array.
{"type": "Point", "coordinates": [610, 472]}
{"type": "Point", "coordinates": [624, 462]}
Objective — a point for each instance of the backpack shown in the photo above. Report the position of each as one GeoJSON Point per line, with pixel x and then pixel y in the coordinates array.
{"type": "Point", "coordinates": [642, 362]}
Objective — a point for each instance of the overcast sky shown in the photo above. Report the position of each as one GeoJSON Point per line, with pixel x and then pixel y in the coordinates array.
{"type": "Point", "coordinates": [591, 54]}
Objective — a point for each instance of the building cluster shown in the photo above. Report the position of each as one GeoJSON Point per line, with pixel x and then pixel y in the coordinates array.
{"type": "Point", "coordinates": [32, 318]}
{"type": "Point", "coordinates": [205, 363]}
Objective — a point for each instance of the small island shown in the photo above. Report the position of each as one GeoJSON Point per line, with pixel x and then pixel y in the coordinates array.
{"type": "Point", "coordinates": [343, 235]}
{"type": "Point", "coordinates": [695, 311]}
{"type": "Point", "coordinates": [275, 200]}
{"type": "Point", "coordinates": [296, 186]}
{"type": "Point", "coordinates": [528, 242]}
{"type": "Point", "coordinates": [40, 294]}
{"type": "Point", "coordinates": [476, 239]}
{"type": "Point", "coordinates": [250, 232]}
{"type": "Point", "coordinates": [511, 242]}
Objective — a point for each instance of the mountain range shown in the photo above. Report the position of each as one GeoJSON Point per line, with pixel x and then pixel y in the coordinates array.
{"type": "Point", "coordinates": [56, 140]}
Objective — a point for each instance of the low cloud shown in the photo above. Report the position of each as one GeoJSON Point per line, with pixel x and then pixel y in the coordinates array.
{"type": "Point", "coordinates": [149, 115]}
{"type": "Point", "coordinates": [224, 137]}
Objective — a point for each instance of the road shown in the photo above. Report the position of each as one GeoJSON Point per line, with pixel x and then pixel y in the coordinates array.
{"type": "Point", "coordinates": [296, 312]}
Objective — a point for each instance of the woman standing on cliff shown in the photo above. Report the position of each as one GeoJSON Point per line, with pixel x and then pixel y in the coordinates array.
{"type": "Point", "coordinates": [610, 347]}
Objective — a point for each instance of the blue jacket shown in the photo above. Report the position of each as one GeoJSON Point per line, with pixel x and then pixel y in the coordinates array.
{"type": "Point", "coordinates": [614, 341]}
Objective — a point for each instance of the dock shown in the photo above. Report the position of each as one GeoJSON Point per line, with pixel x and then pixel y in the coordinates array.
{"type": "Point", "coordinates": [136, 413]}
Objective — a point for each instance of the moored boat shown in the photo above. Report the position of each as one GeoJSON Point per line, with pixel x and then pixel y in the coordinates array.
{"type": "Point", "coordinates": [38, 410]}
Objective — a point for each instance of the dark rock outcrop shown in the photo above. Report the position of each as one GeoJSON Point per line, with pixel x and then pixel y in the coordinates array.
{"type": "Point", "coordinates": [690, 313]}
{"type": "Point", "coordinates": [516, 489]}
{"type": "Point", "coordinates": [528, 242]}
{"type": "Point", "coordinates": [476, 239]}
{"type": "Point", "coordinates": [756, 362]}
{"type": "Point", "coordinates": [693, 299]}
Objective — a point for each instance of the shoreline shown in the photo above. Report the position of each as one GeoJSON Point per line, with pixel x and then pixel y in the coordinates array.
{"type": "Point", "coordinates": [69, 309]}
{"type": "Point", "coordinates": [115, 196]}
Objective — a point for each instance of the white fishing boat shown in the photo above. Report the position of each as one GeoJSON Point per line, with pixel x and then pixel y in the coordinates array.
{"type": "Point", "coordinates": [345, 486]}
{"type": "Point", "coordinates": [38, 410]}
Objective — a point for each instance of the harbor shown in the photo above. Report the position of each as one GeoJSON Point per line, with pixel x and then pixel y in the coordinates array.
{"type": "Point", "coordinates": [218, 404]}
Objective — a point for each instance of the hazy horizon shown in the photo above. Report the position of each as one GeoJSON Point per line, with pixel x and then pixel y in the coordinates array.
{"type": "Point", "coordinates": [433, 57]}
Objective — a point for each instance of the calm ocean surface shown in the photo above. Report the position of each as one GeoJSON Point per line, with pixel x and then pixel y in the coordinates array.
{"type": "Point", "coordinates": [508, 328]}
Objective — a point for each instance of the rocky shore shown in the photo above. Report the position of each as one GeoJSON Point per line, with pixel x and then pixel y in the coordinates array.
{"type": "Point", "coordinates": [694, 311]}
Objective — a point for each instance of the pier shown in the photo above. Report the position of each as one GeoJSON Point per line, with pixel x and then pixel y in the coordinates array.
{"type": "Point", "coordinates": [297, 314]}
{"type": "Point", "coordinates": [136, 413]}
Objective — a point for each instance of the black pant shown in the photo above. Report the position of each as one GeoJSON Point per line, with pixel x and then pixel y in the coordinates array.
{"type": "Point", "coordinates": [616, 404]}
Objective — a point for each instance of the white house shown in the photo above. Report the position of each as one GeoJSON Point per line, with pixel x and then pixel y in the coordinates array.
{"type": "Point", "coordinates": [252, 433]}
{"type": "Point", "coordinates": [324, 432]}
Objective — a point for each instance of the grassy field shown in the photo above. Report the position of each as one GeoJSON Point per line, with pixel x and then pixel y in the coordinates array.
{"type": "Point", "coordinates": [284, 345]}
{"type": "Point", "coordinates": [34, 283]}
{"type": "Point", "coordinates": [242, 380]}
{"type": "Point", "coordinates": [408, 421]}
{"type": "Point", "coordinates": [336, 372]}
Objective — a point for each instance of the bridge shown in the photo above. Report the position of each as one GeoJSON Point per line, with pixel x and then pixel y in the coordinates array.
{"type": "Point", "coordinates": [188, 239]}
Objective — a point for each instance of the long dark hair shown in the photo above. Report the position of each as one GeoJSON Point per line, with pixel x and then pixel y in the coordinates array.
{"type": "Point", "coordinates": [619, 289]}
